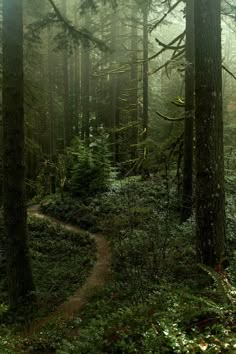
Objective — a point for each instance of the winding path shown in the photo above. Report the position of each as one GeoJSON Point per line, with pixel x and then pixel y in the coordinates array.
{"type": "Point", "coordinates": [96, 279]}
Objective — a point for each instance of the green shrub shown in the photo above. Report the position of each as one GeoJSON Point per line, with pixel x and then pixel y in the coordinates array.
{"type": "Point", "coordinates": [92, 171]}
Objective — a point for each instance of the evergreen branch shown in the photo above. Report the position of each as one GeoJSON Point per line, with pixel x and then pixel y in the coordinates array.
{"type": "Point", "coordinates": [165, 15]}
{"type": "Point", "coordinates": [228, 71]}
{"type": "Point", "coordinates": [180, 36]}
{"type": "Point", "coordinates": [179, 102]}
{"type": "Point", "coordinates": [169, 118]}
{"type": "Point", "coordinates": [169, 47]}
{"type": "Point", "coordinates": [126, 127]}
{"type": "Point", "coordinates": [169, 61]}
{"type": "Point", "coordinates": [83, 33]}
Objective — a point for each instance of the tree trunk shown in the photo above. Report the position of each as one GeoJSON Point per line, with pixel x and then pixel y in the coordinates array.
{"type": "Point", "coordinates": [51, 93]}
{"type": "Point", "coordinates": [85, 87]}
{"type": "Point", "coordinates": [1, 123]}
{"type": "Point", "coordinates": [145, 85]}
{"type": "Point", "coordinates": [114, 89]}
{"type": "Point", "coordinates": [134, 79]}
{"type": "Point", "coordinates": [210, 196]}
{"type": "Point", "coordinates": [189, 114]}
{"type": "Point", "coordinates": [19, 274]}
{"type": "Point", "coordinates": [67, 111]}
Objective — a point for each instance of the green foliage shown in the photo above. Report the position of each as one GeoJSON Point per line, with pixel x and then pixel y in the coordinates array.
{"type": "Point", "coordinates": [92, 171]}
{"type": "Point", "coordinates": [61, 261]}
{"type": "Point", "coordinates": [225, 290]}
{"type": "Point", "coordinates": [157, 300]}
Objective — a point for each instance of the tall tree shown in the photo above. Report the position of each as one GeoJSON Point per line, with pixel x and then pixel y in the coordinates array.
{"type": "Point", "coordinates": [1, 142]}
{"type": "Point", "coordinates": [145, 9]}
{"type": "Point", "coordinates": [20, 281]}
{"type": "Point", "coordinates": [66, 99]}
{"type": "Point", "coordinates": [145, 70]}
{"type": "Point", "coordinates": [210, 196]}
{"type": "Point", "coordinates": [189, 113]}
{"type": "Point", "coordinates": [85, 85]}
{"type": "Point", "coordinates": [134, 78]}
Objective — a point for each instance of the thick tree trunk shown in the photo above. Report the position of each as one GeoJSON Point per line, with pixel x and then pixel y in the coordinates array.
{"type": "Point", "coordinates": [145, 72]}
{"type": "Point", "coordinates": [51, 93]}
{"type": "Point", "coordinates": [114, 90]}
{"type": "Point", "coordinates": [145, 86]}
{"type": "Point", "coordinates": [20, 282]}
{"type": "Point", "coordinates": [1, 123]}
{"type": "Point", "coordinates": [189, 114]}
{"type": "Point", "coordinates": [85, 86]}
{"type": "Point", "coordinates": [76, 83]}
{"type": "Point", "coordinates": [66, 97]}
{"type": "Point", "coordinates": [210, 197]}
{"type": "Point", "coordinates": [134, 79]}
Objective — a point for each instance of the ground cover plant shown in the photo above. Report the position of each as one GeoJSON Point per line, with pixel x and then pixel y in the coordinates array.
{"type": "Point", "coordinates": [61, 262]}
{"type": "Point", "coordinates": [157, 300]}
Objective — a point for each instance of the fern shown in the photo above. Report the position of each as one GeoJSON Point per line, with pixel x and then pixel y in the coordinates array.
{"type": "Point", "coordinates": [224, 288]}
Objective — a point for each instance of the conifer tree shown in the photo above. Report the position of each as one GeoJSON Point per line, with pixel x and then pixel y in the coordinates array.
{"type": "Point", "coordinates": [19, 274]}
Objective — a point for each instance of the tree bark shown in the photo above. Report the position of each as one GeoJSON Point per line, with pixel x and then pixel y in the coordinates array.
{"type": "Point", "coordinates": [189, 114]}
{"type": "Point", "coordinates": [145, 86]}
{"type": "Point", "coordinates": [1, 123]}
{"type": "Point", "coordinates": [210, 196]}
{"type": "Point", "coordinates": [85, 86]}
{"type": "Point", "coordinates": [68, 130]}
{"type": "Point", "coordinates": [134, 79]}
{"type": "Point", "coordinates": [19, 274]}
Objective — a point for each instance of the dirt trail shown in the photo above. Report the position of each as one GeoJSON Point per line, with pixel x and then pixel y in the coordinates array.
{"type": "Point", "coordinates": [97, 277]}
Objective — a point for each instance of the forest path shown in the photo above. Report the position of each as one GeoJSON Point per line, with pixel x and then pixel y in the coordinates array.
{"type": "Point", "coordinates": [96, 279]}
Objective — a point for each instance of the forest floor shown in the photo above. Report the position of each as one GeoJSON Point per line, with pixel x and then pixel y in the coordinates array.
{"type": "Point", "coordinates": [68, 309]}
{"type": "Point", "coordinates": [155, 299]}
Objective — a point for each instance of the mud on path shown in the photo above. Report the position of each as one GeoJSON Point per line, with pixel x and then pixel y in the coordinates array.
{"type": "Point", "coordinates": [96, 279]}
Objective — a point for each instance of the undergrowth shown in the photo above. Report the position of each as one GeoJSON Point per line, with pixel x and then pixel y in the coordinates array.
{"type": "Point", "coordinates": [61, 261]}
{"type": "Point", "coordinates": [157, 300]}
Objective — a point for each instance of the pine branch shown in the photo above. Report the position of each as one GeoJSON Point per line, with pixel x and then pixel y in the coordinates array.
{"type": "Point", "coordinates": [180, 36]}
{"type": "Point", "coordinates": [169, 47]}
{"type": "Point", "coordinates": [165, 65]}
{"type": "Point", "coordinates": [165, 15]}
{"type": "Point", "coordinates": [169, 118]}
{"type": "Point", "coordinates": [228, 71]}
{"type": "Point", "coordinates": [78, 32]}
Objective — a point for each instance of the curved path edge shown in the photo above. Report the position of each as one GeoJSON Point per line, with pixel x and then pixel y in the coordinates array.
{"type": "Point", "coordinates": [99, 273]}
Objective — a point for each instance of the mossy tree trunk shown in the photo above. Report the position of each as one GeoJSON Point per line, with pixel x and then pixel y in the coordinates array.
{"type": "Point", "coordinates": [19, 274]}
{"type": "Point", "coordinates": [134, 79]}
{"type": "Point", "coordinates": [189, 114]}
{"type": "Point", "coordinates": [210, 196]}
{"type": "Point", "coordinates": [68, 129]}
{"type": "Point", "coordinates": [145, 117]}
